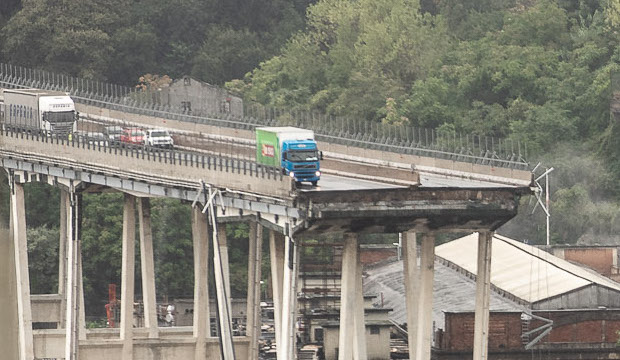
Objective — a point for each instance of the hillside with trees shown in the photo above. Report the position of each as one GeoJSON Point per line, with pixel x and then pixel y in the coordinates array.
{"type": "Point", "coordinates": [536, 71]}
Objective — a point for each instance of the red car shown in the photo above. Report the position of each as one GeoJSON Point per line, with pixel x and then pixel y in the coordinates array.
{"type": "Point", "coordinates": [134, 136]}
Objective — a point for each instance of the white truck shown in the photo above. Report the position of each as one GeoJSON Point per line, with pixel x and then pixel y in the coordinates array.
{"type": "Point", "coordinates": [48, 112]}
{"type": "Point", "coordinates": [159, 138]}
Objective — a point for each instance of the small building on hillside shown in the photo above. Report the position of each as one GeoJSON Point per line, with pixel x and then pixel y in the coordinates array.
{"type": "Point", "coordinates": [198, 98]}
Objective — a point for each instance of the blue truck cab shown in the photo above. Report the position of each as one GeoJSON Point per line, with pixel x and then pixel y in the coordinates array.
{"type": "Point", "coordinates": [300, 160]}
{"type": "Point", "coordinates": [292, 149]}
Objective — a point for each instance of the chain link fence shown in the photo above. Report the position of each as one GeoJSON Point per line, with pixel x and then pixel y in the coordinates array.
{"type": "Point", "coordinates": [353, 132]}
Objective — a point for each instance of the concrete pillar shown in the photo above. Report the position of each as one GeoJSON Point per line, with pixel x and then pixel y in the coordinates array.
{"type": "Point", "coordinates": [223, 246]}
{"type": "Point", "coordinates": [412, 287]}
{"type": "Point", "coordinates": [360, 351]}
{"type": "Point", "coordinates": [9, 339]}
{"type": "Point", "coordinates": [80, 313]}
{"type": "Point", "coordinates": [250, 298]}
{"type": "Point", "coordinates": [425, 309]}
{"type": "Point", "coordinates": [148, 268]}
{"type": "Point", "coordinates": [72, 283]}
{"type": "Point", "coordinates": [483, 290]}
{"type": "Point", "coordinates": [255, 259]}
{"type": "Point", "coordinates": [127, 276]}
{"type": "Point", "coordinates": [222, 289]}
{"type": "Point", "coordinates": [82, 309]}
{"type": "Point", "coordinates": [62, 254]}
{"type": "Point", "coordinates": [200, 235]}
{"type": "Point", "coordinates": [276, 251]}
{"type": "Point", "coordinates": [22, 278]}
{"type": "Point", "coordinates": [286, 347]}
{"type": "Point", "coordinates": [348, 297]}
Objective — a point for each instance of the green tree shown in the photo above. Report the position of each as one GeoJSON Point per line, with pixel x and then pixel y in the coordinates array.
{"type": "Point", "coordinates": [102, 226]}
{"type": "Point", "coordinates": [66, 36]}
{"type": "Point", "coordinates": [173, 247]}
{"type": "Point", "coordinates": [43, 259]}
{"type": "Point", "coordinates": [238, 52]}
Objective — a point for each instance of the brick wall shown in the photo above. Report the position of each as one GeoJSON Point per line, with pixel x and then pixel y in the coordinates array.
{"type": "Point", "coordinates": [599, 259]}
{"type": "Point", "coordinates": [505, 328]}
{"type": "Point", "coordinates": [371, 256]}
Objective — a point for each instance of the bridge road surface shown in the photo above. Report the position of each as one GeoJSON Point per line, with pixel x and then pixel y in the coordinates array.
{"type": "Point", "coordinates": [330, 182]}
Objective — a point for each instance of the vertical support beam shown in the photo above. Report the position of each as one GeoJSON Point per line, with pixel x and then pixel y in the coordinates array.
{"type": "Point", "coordinates": [223, 246]}
{"type": "Point", "coordinates": [80, 312]}
{"type": "Point", "coordinates": [222, 289]}
{"type": "Point", "coordinates": [348, 297]}
{"type": "Point", "coordinates": [255, 260]}
{"type": "Point", "coordinates": [127, 276]}
{"type": "Point", "coordinates": [200, 235]}
{"type": "Point", "coordinates": [276, 251]}
{"type": "Point", "coordinates": [412, 287]}
{"type": "Point", "coordinates": [359, 341]}
{"type": "Point", "coordinates": [71, 283]}
{"type": "Point", "coordinates": [286, 349]}
{"type": "Point", "coordinates": [62, 254]}
{"type": "Point", "coordinates": [82, 309]}
{"type": "Point", "coordinates": [250, 298]}
{"type": "Point", "coordinates": [9, 339]}
{"type": "Point", "coordinates": [22, 278]}
{"type": "Point", "coordinates": [483, 290]}
{"type": "Point", "coordinates": [425, 308]}
{"type": "Point", "coordinates": [148, 267]}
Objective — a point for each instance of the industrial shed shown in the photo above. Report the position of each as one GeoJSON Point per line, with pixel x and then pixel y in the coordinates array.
{"type": "Point", "coordinates": [532, 277]}
{"type": "Point", "coordinates": [583, 305]}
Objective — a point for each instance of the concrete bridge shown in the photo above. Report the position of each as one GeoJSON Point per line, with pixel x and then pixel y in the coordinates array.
{"type": "Point", "coordinates": [415, 195]}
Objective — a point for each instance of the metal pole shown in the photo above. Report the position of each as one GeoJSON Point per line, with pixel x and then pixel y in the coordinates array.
{"type": "Point", "coordinates": [547, 204]}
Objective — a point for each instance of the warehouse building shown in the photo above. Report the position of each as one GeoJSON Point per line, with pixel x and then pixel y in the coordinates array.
{"type": "Point", "coordinates": [539, 302]}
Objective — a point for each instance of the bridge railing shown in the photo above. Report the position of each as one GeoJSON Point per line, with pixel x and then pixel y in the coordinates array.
{"type": "Point", "coordinates": [354, 132]}
{"type": "Point", "coordinates": [148, 163]}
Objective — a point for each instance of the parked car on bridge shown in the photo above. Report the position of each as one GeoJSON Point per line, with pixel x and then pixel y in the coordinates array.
{"type": "Point", "coordinates": [91, 138]}
{"type": "Point", "coordinates": [159, 138]}
{"type": "Point", "coordinates": [133, 136]}
{"type": "Point", "coordinates": [113, 133]}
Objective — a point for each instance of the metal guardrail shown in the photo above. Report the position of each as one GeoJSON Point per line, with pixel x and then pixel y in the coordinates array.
{"type": "Point", "coordinates": [174, 157]}
{"type": "Point", "coordinates": [360, 133]}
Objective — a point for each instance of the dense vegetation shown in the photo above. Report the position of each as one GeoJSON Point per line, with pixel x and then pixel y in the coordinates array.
{"type": "Point", "coordinates": [537, 71]}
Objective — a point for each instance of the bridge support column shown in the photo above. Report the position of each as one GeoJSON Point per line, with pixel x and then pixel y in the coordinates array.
{"type": "Point", "coordinates": [360, 351]}
{"type": "Point", "coordinates": [9, 339]}
{"type": "Point", "coordinates": [352, 332]}
{"type": "Point", "coordinates": [483, 290]}
{"type": "Point", "coordinates": [223, 246]}
{"type": "Point", "coordinates": [73, 299]}
{"type": "Point", "coordinates": [286, 347]}
{"type": "Point", "coordinates": [276, 251]}
{"type": "Point", "coordinates": [202, 329]}
{"type": "Point", "coordinates": [222, 288]}
{"type": "Point", "coordinates": [16, 294]}
{"type": "Point", "coordinates": [127, 276]}
{"type": "Point", "coordinates": [62, 254]}
{"type": "Point", "coordinates": [82, 309]}
{"type": "Point", "coordinates": [148, 268]}
{"type": "Point", "coordinates": [412, 287]}
{"type": "Point", "coordinates": [255, 259]}
{"type": "Point", "coordinates": [424, 326]}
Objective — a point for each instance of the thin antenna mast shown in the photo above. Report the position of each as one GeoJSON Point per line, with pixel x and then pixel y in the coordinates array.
{"type": "Point", "coordinates": [539, 191]}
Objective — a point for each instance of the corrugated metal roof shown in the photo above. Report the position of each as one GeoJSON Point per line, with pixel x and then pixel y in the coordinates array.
{"type": "Point", "coordinates": [524, 271]}
{"type": "Point", "coordinates": [452, 291]}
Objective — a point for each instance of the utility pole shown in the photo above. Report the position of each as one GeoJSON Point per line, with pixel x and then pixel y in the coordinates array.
{"type": "Point", "coordinates": [539, 192]}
